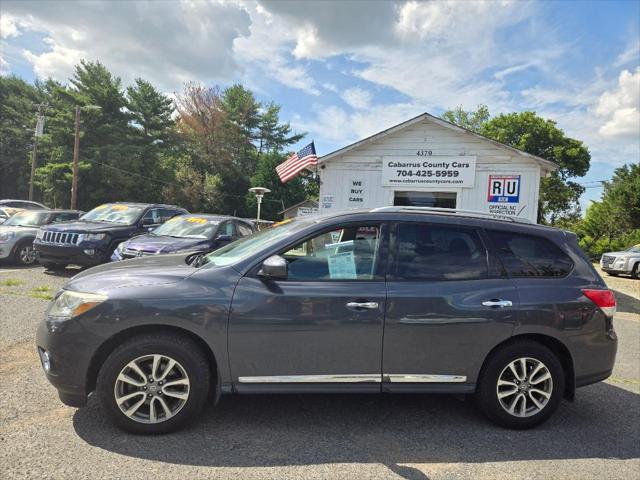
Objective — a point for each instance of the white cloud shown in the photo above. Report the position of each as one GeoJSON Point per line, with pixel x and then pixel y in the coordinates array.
{"type": "Point", "coordinates": [165, 42]}
{"type": "Point", "coordinates": [8, 26]}
{"type": "Point", "coordinates": [620, 108]}
{"type": "Point", "coordinates": [357, 98]}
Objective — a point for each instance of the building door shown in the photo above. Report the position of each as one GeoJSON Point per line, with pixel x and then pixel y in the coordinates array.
{"type": "Point", "coordinates": [425, 199]}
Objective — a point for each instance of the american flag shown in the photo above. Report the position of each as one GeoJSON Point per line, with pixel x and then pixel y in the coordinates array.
{"type": "Point", "coordinates": [297, 162]}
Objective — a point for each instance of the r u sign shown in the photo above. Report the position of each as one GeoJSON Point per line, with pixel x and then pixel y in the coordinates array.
{"type": "Point", "coordinates": [504, 189]}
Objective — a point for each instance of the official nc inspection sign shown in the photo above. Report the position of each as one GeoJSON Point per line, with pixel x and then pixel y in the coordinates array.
{"type": "Point", "coordinates": [504, 189]}
{"type": "Point", "coordinates": [429, 171]}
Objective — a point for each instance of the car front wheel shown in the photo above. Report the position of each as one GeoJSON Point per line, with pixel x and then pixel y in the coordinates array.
{"type": "Point", "coordinates": [25, 254]}
{"type": "Point", "coordinates": [521, 385]}
{"type": "Point", "coordinates": [154, 383]}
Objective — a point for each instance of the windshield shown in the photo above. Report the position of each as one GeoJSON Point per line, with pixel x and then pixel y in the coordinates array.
{"type": "Point", "coordinates": [187, 226]}
{"type": "Point", "coordinates": [114, 213]}
{"type": "Point", "coordinates": [634, 249]}
{"type": "Point", "coordinates": [28, 219]}
{"type": "Point", "coordinates": [247, 246]}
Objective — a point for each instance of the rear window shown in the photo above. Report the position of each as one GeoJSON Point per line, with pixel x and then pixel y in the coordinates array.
{"type": "Point", "coordinates": [530, 256]}
{"type": "Point", "coordinates": [436, 253]}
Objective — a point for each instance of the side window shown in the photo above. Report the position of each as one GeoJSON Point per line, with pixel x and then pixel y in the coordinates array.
{"type": "Point", "coordinates": [436, 252]}
{"type": "Point", "coordinates": [167, 213]}
{"type": "Point", "coordinates": [226, 229]}
{"type": "Point", "coordinates": [530, 256]}
{"type": "Point", "coordinates": [244, 229]}
{"type": "Point", "coordinates": [343, 254]}
{"type": "Point", "coordinates": [64, 217]}
{"type": "Point", "coordinates": [152, 217]}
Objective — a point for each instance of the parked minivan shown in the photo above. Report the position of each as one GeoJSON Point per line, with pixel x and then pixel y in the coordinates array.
{"type": "Point", "coordinates": [394, 299]}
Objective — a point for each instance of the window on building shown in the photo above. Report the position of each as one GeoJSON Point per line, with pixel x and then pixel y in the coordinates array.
{"type": "Point", "coordinates": [530, 256]}
{"type": "Point", "coordinates": [435, 253]}
{"type": "Point", "coordinates": [425, 199]}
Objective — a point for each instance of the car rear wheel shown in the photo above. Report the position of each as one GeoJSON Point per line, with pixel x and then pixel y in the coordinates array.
{"type": "Point", "coordinates": [154, 383]}
{"type": "Point", "coordinates": [521, 385]}
{"type": "Point", "coordinates": [25, 254]}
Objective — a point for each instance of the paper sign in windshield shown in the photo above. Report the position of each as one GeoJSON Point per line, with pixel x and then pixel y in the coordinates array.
{"type": "Point", "coordinates": [342, 266]}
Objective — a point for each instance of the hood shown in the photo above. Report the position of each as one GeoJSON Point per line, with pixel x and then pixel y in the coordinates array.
{"type": "Point", "coordinates": [163, 244]}
{"type": "Point", "coordinates": [17, 229]}
{"type": "Point", "coordinates": [619, 254]}
{"type": "Point", "coordinates": [79, 227]}
{"type": "Point", "coordinates": [145, 271]}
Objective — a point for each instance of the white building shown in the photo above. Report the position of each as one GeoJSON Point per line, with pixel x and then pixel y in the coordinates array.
{"type": "Point", "coordinates": [427, 161]}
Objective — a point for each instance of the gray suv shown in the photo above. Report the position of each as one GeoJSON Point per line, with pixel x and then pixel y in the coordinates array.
{"type": "Point", "coordinates": [390, 300]}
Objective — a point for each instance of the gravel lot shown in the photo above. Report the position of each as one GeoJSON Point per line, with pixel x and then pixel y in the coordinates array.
{"type": "Point", "coordinates": [313, 436]}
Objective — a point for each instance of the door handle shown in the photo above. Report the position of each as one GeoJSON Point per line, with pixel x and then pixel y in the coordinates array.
{"type": "Point", "coordinates": [498, 303]}
{"type": "Point", "coordinates": [364, 305]}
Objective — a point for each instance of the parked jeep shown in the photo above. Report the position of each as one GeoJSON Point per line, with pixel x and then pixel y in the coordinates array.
{"type": "Point", "coordinates": [626, 262]}
{"type": "Point", "coordinates": [19, 231]}
{"type": "Point", "coordinates": [93, 237]}
{"type": "Point", "coordinates": [389, 300]}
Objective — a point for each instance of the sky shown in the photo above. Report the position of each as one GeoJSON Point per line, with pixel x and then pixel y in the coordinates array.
{"type": "Point", "coordinates": [344, 70]}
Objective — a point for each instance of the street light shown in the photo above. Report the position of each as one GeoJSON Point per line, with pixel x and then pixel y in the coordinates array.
{"type": "Point", "coordinates": [76, 153]}
{"type": "Point", "coordinates": [259, 192]}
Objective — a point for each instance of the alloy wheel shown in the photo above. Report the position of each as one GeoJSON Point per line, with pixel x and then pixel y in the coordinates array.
{"type": "Point", "coordinates": [27, 255]}
{"type": "Point", "coordinates": [524, 387]}
{"type": "Point", "coordinates": [152, 388]}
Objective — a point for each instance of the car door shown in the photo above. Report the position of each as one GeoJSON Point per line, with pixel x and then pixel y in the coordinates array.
{"type": "Point", "coordinates": [448, 305]}
{"type": "Point", "coordinates": [321, 328]}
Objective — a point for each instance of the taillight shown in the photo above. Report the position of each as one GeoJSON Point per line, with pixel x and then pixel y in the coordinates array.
{"type": "Point", "coordinates": [604, 299]}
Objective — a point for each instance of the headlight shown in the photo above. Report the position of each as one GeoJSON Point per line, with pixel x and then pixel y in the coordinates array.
{"type": "Point", "coordinates": [70, 304]}
{"type": "Point", "coordinates": [121, 247]}
{"type": "Point", "coordinates": [6, 236]}
{"type": "Point", "coordinates": [94, 236]}
{"type": "Point", "coordinates": [40, 234]}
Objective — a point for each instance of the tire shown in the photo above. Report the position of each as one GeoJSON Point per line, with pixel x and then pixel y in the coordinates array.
{"type": "Point", "coordinates": [53, 266]}
{"type": "Point", "coordinates": [635, 273]}
{"type": "Point", "coordinates": [497, 367]}
{"type": "Point", "coordinates": [183, 401]}
{"type": "Point", "coordinates": [24, 254]}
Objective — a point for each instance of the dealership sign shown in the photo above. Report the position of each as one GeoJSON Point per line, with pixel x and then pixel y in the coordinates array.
{"type": "Point", "coordinates": [430, 171]}
{"type": "Point", "coordinates": [504, 189]}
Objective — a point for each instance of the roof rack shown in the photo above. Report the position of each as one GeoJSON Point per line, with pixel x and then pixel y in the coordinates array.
{"type": "Point", "coordinates": [452, 211]}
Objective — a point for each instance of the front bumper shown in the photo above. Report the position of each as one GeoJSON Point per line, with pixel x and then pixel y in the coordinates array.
{"type": "Point", "coordinates": [70, 351]}
{"type": "Point", "coordinates": [70, 254]}
{"type": "Point", "coordinates": [6, 249]}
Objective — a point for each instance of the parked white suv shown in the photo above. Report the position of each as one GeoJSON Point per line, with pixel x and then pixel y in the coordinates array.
{"type": "Point", "coordinates": [626, 262]}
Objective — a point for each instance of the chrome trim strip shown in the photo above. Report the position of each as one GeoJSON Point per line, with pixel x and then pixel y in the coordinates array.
{"type": "Point", "coordinates": [425, 378]}
{"type": "Point", "coordinates": [364, 378]}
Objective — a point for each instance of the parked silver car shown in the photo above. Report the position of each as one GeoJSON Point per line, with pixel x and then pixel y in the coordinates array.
{"type": "Point", "coordinates": [19, 231]}
{"type": "Point", "coordinates": [625, 262]}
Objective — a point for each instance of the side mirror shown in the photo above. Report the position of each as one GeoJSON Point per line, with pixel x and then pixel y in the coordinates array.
{"type": "Point", "coordinates": [223, 237]}
{"type": "Point", "coordinates": [274, 268]}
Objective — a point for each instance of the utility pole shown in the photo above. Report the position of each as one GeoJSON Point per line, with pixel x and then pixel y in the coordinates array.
{"type": "Point", "coordinates": [38, 133]}
{"type": "Point", "coordinates": [76, 153]}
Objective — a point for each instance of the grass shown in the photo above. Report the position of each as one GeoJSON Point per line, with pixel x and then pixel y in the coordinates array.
{"type": "Point", "coordinates": [43, 292]}
{"type": "Point", "coordinates": [11, 282]}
